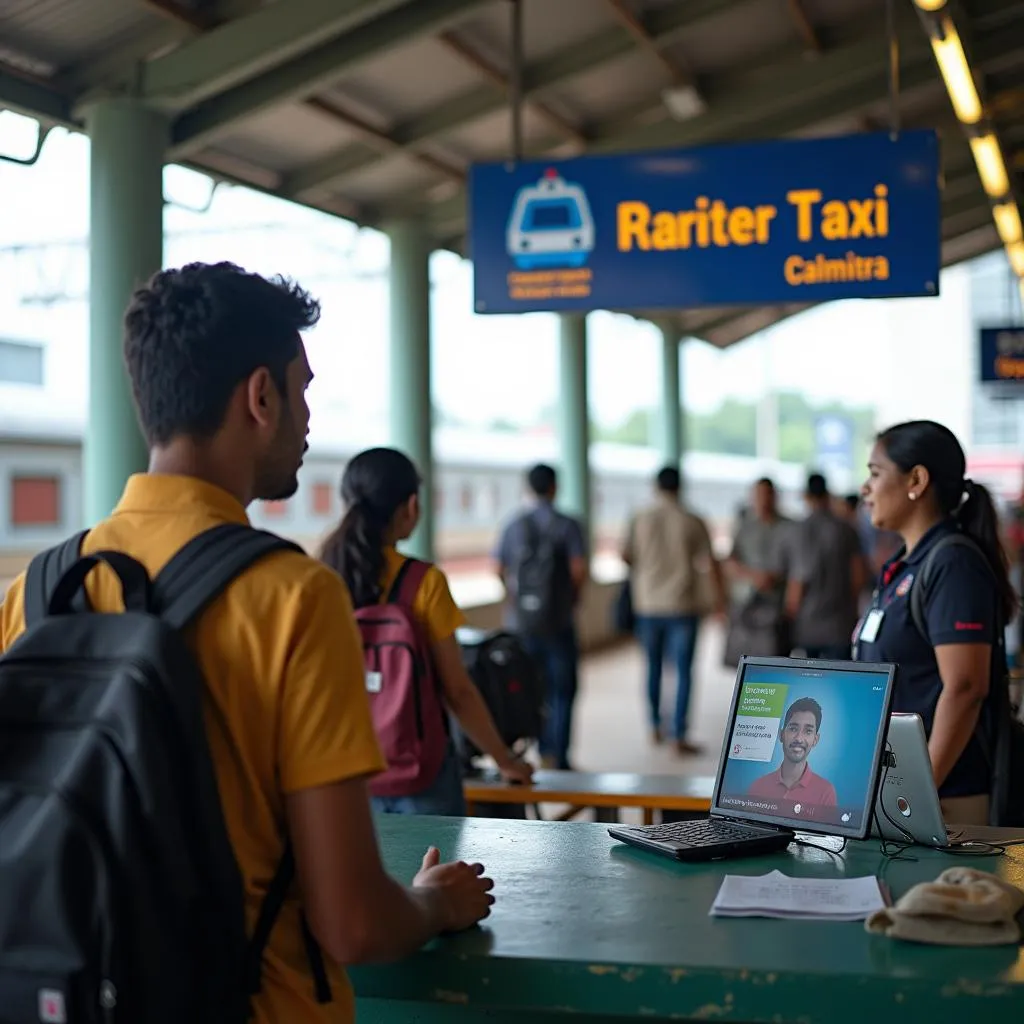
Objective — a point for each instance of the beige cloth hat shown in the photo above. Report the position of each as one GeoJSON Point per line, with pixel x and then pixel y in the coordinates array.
{"type": "Point", "coordinates": [962, 907]}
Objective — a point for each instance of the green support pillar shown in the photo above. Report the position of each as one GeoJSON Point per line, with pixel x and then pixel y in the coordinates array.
{"type": "Point", "coordinates": [128, 143]}
{"type": "Point", "coordinates": [671, 397]}
{"type": "Point", "coordinates": [410, 409]}
{"type": "Point", "coordinates": [574, 419]}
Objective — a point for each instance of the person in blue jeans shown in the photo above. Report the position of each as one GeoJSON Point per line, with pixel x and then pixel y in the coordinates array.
{"type": "Point", "coordinates": [558, 659]}
{"type": "Point", "coordinates": [542, 560]}
{"type": "Point", "coordinates": [668, 551]}
{"type": "Point", "coordinates": [671, 638]}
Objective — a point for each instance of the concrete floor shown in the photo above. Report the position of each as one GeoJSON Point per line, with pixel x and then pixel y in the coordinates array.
{"type": "Point", "coordinates": [610, 730]}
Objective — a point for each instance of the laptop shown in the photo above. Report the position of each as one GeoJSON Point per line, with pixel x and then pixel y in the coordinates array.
{"type": "Point", "coordinates": [802, 751]}
{"type": "Point", "coordinates": [907, 806]}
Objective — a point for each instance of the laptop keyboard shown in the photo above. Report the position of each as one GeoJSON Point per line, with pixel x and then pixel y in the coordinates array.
{"type": "Point", "coordinates": [703, 832]}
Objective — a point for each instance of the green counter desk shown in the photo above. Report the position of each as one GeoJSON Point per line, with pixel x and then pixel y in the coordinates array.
{"type": "Point", "coordinates": [586, 927]}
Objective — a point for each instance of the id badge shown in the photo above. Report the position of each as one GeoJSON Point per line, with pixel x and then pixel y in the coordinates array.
{"type": "Point", "coordinates": [872, 624]}
{"type": "Point", "coordinates": [374, 682]}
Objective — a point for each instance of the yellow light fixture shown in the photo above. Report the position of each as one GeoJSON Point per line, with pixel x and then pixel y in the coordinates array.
{"type": "Point", "coordinates": [1007, 218]}
{"type": "Point", "coordinates": [991, 168]}
{"type": "Point", "coordinates": [930, 5]}
{"type": "Point", "coordinates": [949, 54]}
{"type": "Point", "coordinates": [1015, 254]}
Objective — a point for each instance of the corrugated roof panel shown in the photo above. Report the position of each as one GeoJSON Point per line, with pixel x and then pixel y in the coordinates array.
{"type": "Point", "coordinates": [618, 85]}
{"type": "Point", "coordinates": [823, 13]}
{"type": "Point", "coordinates": [740, 35]}
{"type": "Point", "coordinates": [66, 32]}
{"type": "Point", "coordinates": [744, 54]}
{"type": "Point", "coordinates": [394, 178]}
{"type": "Point", "coordinates": [491, 137]}
{"type": "Point", "coordinates": [412, 79]}
{"type": "Point", "coordinates": [925, 104]}
{"type": "Point", "coordinates": [285, 138]}
{"type": "Point", "coordinates": [548, 26]}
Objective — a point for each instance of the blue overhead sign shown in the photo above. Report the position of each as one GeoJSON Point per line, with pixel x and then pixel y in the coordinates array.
{"type": "Point", "coordinates": [795, 220]}
{"type": "Point", "coordinates": [1002, 354]}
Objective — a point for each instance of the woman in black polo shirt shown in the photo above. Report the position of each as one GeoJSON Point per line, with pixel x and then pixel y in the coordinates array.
{"type": "Point", "coordinates": [916, 487]}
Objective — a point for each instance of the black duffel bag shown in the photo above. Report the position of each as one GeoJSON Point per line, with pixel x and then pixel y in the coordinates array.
{"type": "Point", "coordinates": [510, 683]}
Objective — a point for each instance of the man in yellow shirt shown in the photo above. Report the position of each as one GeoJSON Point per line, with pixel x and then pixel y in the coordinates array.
{"type": "Point", "coordinates": [219, 375]}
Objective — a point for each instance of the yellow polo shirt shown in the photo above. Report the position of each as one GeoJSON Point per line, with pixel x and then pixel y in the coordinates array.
{"type": "Point", "coordinates": [285, 700]}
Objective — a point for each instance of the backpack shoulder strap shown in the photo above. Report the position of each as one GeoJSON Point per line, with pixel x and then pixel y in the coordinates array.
{"type": "Point", "coordinates": [184, 587]}
{"type": "Point", "coordinates": [206, 565]}
{"type": "Point", "coordinates": [407, 583]}
{"type": "Point", "coordinates": [543, 537]}
{"type": "Point", "coordinates": [920, 586]}
{"type": "Point", "coordinates": [530, 527]}
{"type": "Point", "coordinates": [45, 572]}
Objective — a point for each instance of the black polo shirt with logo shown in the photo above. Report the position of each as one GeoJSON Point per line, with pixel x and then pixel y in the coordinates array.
{"type": "Point", "coordinates": [960, 607]}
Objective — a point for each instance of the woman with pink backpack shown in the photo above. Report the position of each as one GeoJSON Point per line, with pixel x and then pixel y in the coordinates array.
{"type": "Point", "coordinates": [415, 675]}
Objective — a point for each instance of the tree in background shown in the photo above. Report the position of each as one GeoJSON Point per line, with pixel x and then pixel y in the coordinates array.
{"type": "Point", "coordinates": [732, 428]}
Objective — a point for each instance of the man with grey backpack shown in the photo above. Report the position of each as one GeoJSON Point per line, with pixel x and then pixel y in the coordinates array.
{"type": "Point", "coordinates": [542, 560]}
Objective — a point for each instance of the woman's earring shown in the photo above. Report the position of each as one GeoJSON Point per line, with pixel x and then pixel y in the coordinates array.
{"type": "Point", "coordinates": [912, 497]}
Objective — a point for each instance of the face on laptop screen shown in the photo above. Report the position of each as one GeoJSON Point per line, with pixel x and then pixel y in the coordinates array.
{"type": "Point", "coordinates": [803, 746]}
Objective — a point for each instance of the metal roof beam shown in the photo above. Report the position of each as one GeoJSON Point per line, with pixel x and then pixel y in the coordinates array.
{"type": "Point", "coordinates": [381, 140]}
{"type": "Point", "coordinates": [119, 67]}
{"type": "Point", "coordinates": [961, 203]}
{"type": "Point", "coordinates": [971, 243]}
{"type": "Point", "coordinates": [852, 71]}
{"type": "Point", "coordinates": [240, 50]}
{"type": "Point", "coordinates": [964, 213]}
{"type": "Point", "coordinates": [317, 68]}
{"type": "Point", "coordinates": [34, 99]}
{"type": "Point", "coordinates": [119, 64]}
{"type": "Point", "coordinates": [632, 23]}
{"type": "Point", "coordinates": [501, 81]}
{"type": "Point", "coordinates": [663, 26]}
{"type": "Point", "coordinates": [841, 83]}
{"type": "Point", "coordinates": [200, 18]}
{"type": "Point", "coordinates": [805, 26]}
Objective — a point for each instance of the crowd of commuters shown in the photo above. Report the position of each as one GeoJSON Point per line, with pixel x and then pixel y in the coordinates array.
{"type": "Point", "coordinates": [219, 375]}
{"type": "Point", "coordinates": [837, 583]}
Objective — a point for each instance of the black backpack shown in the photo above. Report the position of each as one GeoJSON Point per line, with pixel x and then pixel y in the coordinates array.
{"type": "Point", "coordinates": [543, 591]}
{"type": "Point", "coordinates": [510, 683]}
{"type": "Point", "coordinates": [1002, 734]}
{"type": "Point", "coordinates": [121, 900]}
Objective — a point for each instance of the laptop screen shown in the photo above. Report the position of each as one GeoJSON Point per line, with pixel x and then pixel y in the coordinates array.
{"type": "Point", "coordinates": [804, 743]}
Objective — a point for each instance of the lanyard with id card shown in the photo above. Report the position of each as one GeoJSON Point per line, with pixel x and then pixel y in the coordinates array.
{"type": "Point", "coordinates": [869, 627]}
{"type": "Point", "coordinates": [872, 624]}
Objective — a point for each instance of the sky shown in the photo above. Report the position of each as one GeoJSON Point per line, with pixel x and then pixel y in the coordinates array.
{"type": "Point", "coordinates": [484, 367]}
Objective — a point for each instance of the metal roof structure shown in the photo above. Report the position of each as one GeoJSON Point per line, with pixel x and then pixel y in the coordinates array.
{"type": "Point", "coordinates": [374, 109]}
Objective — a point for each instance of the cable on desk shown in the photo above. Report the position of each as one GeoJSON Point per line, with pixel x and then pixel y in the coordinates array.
{"type": "Point", "coordinates": [890, 849]}
{"type": "Point", "coordinates": [896, 850]}
{"type": "Point", "coordinates": [825, 849]}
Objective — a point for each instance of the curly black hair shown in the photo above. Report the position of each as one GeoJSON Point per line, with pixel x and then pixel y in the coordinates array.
{"type": "Point", "coordinates": [193, 334]}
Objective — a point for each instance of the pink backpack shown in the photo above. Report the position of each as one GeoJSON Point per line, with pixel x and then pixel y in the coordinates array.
{"type": "Point", "coordinates": [405, 698]}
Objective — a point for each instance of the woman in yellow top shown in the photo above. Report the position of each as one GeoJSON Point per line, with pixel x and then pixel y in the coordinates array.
{"type": "Point", "coordinates": [380, 489]}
